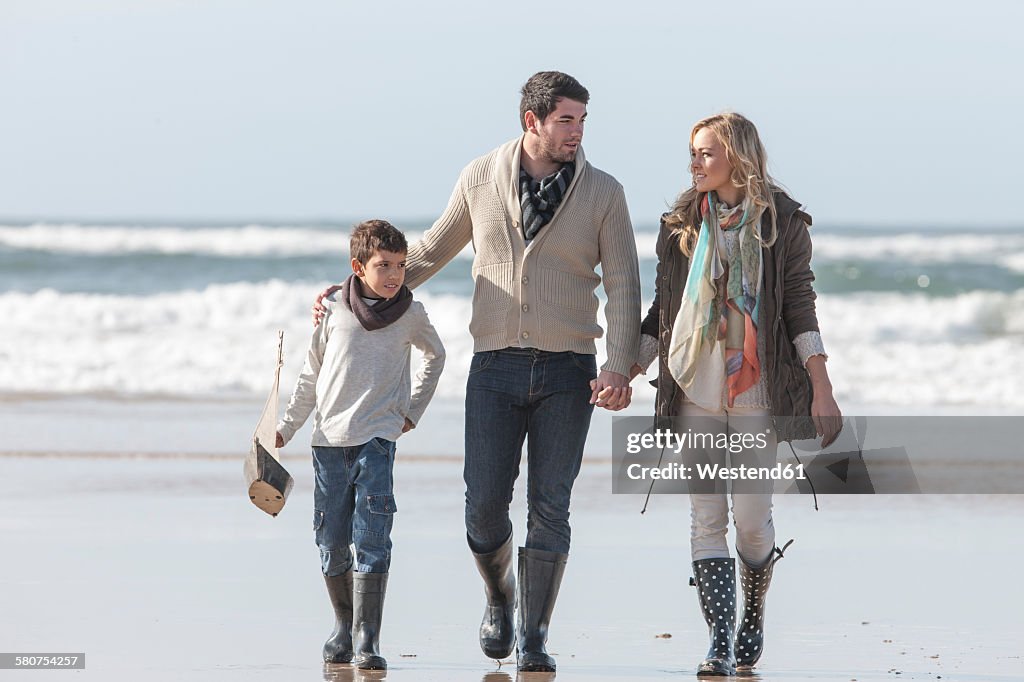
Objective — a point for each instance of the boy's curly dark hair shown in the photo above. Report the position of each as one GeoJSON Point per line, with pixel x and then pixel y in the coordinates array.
{"type": "Point", "coordinates": [370, 236]}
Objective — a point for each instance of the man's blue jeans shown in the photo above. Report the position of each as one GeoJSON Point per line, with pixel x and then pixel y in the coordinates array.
{"type": "Point", "coordinates": [354, 501]}
{"type": "Point", "coordinates": [518, 394]}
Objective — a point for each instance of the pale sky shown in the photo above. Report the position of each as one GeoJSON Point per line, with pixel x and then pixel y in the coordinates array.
{"type": "Point", "coordinates": [872, 112]}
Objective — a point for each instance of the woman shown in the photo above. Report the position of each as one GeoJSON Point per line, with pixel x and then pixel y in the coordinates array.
{"type": "Point", "coordinates": [734, 327]}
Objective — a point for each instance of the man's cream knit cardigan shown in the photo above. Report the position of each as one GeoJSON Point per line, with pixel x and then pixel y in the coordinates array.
{"type": "Point", "coordinates": [540, 295]}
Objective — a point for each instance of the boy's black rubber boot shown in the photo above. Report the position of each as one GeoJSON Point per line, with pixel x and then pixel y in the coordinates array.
{"type": "Point", "coordinates": [338, 648]}
{"type": "Point", "coordinates": [368, 610]}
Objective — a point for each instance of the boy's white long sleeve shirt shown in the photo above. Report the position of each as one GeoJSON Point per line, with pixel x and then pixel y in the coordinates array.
{"type": "Point", "coordinates": [357, 383]}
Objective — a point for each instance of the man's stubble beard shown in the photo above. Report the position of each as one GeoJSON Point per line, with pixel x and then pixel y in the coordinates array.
{"type": "Point", "coordinates": [554, 155]}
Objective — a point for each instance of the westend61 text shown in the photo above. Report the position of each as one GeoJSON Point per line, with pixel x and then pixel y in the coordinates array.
{"type": "Point", "coordinates": [667, 438]}
{"type": "Point", "coordinates": [716, 472]}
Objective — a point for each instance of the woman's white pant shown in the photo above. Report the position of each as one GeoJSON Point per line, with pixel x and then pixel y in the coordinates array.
{"type": "Point", "coordinates": [752, 511]}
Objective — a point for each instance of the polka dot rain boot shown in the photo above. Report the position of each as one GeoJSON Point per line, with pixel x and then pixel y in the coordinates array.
{"type": "Point", "coordinates": [754, 582]}
{"type": "Point", "coordinates": [715, 580]}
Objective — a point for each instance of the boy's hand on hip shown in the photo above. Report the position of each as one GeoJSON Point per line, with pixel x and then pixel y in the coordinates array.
{"type": "Point", "coordinates": [279, 441]}
{"type": "Point", "coordinates": [409, 426]}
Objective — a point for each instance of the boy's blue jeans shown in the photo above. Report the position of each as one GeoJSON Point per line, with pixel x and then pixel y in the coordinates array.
{"type": "Point", "coordinates": [542, 397]}
{"type": "Point", "coordinates": [354, 502]}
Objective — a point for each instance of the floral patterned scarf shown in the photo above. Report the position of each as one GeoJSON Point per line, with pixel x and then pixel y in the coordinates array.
{"type": "Point", "coordinates": [714, 337]}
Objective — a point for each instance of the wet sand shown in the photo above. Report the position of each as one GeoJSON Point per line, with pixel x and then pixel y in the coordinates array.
{"type": "Point", "coordinates": [161, 569]}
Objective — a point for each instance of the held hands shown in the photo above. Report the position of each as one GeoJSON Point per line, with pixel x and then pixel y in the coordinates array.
{"type": "Point", "coordinates": [611, 391]}
{"type": "Point", "coordinates": [318, 308]}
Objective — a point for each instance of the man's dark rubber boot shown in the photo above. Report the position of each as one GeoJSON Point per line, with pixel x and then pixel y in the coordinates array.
{"type": "Point", "coordinates": [715, 580]}
{"type": "Point", "coordinates": [497, 631]}
{"type": "Point", "coordinates": [367, 611]}
{"type": "Point", "coordinates": [338, 648]}
{"type": "Point", "coordinates": [755, 583]}
{"type": "Point", "coordinates": [540, 575]}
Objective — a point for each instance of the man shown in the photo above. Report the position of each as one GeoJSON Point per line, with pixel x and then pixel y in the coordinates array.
{"type": "Point", "coordinates": [541, 220]}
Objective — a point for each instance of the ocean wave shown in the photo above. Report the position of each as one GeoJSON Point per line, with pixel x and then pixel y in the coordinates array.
{"type": "Point", "coordinates": [247, 241]}
{"type": "Point", "coordinates": [1005, 249]}
{"type": "Point", "coordinates": [262, 241]}
{"type": "Point", "coordinates": [914, 351]}
{"type": "Point", "coordinates": [1012, 261]}
{"type": "Point", "coordinates": [227, 242]}
{"type": "Point", "coordinates": [879, 318]}
{"type": "Point", "coordinates": [885, 349]}
{"type": "Point", "coordinates": [218, 341]}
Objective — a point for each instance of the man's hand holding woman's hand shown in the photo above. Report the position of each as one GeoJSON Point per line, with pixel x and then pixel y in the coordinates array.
{"type": "Point", "coordinates": [611, 391]}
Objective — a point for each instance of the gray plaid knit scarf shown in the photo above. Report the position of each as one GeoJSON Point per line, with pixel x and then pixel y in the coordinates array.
{"type": "Point", "coordinates": [540, 198]}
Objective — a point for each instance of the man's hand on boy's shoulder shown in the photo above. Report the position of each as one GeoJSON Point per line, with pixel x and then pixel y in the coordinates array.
{"type": "Point", "coordinates": [409, 426]}
{"type": "Point", "coordinates": [319, 309]}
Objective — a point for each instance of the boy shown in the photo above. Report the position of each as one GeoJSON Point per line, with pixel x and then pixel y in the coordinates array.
{"type": "Point", "coordinates": [356, 376]}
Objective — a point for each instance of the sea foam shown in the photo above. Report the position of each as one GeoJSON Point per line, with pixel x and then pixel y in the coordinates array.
{"type": "Point", "coordinates": [226, 242]}
{"type": "Point", "coordinates": [885, 348]}
{"type": "Point", "coordinates": [1006, 248]}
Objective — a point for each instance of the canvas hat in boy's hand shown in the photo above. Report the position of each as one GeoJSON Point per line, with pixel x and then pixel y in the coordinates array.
{"type": "Point", "coordinates": [269, 483]}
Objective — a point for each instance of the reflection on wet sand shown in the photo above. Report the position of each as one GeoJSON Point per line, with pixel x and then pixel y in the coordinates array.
{"type": "Point", "coordinates": [346, 672]}
{"type": "Point", "coordinates": [534, 677]}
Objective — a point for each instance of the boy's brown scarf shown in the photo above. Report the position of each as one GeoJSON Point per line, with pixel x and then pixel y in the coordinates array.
{"type": "Point", "coordinates": [383, 312]}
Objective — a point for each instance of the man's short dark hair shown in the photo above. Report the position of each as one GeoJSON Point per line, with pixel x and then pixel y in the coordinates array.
{"type": "Point", "coordinates": [371, 236]}
{"type": "Point", "coordinates": [542, 92]}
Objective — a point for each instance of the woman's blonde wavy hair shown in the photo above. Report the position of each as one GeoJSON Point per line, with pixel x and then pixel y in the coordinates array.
{"type": "Point", "coordinates": [749, 162]}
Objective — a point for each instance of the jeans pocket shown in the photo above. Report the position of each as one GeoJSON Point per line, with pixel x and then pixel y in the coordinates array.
{"type": "Point", "coordinates": [481, 361]}
{"type": "Point", "coordinates": [382, 510]}
{"type": "Point", "coordinates": [381, 503]}
{"type": "Point", "coordinates": [385, 447]}
{"type": "Point", "coordinates": [586, 363]}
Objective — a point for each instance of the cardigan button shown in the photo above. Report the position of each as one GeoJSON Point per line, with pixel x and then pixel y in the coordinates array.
{"type": "Point", "coordinates": [526, 335]}
{"type": "Point", "coordinates": [526, 308]}
{"type": "Point", "coordinates": [526, 280]}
